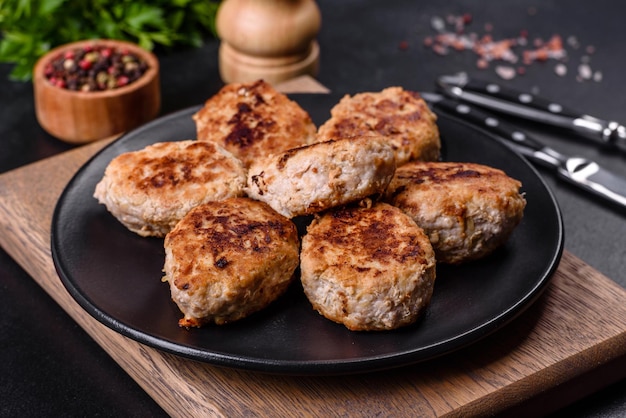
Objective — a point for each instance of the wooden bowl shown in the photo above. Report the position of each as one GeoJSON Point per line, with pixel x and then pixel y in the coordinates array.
{"type": "Point", "coordinates": [79, 117]}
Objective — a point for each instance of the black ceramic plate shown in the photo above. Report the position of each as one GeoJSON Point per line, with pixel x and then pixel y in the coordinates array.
{"type": "Point", "coordinates": [116, 275]}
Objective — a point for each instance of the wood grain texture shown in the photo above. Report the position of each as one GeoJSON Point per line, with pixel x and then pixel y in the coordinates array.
{"type": "Point", "coordinates": [577, 325]}
{"type": "Point", "coordinates": [273, 40]}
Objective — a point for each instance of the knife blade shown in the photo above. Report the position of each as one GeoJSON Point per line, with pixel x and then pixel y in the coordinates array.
{"type": "Point", "coordinates": [578, 171]}
{"type": "Point", "coordinates": [531, 107]}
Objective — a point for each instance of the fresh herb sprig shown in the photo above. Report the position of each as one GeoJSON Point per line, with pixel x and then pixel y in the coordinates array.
{"type": "Point", "coordinates": [30, 28]}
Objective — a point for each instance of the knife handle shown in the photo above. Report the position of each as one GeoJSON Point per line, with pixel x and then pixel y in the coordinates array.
{"type": "Point", "coordinates": [519, 140]}
{"type": "Point", "coordinates": [531, 107]}
{"type": "Point", "coordinates": [490, 123]}
{"type": "Point", "coordinates": [522, 104]}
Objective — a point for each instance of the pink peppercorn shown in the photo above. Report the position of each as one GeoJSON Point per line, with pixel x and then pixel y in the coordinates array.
{"type": "Point", "coordinates": [95, 68]}
{"type": "Point", "coordinates": [84, 64]}
{"type": "Point", "coordinates": [122, 81]}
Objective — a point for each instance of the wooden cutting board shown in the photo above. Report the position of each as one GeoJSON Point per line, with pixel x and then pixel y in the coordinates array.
{"type": "Point", "coordinates": [568, 344]}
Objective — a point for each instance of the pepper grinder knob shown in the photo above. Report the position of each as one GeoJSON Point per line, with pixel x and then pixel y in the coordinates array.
{"type": "Point", "coordinates": [272, 40]}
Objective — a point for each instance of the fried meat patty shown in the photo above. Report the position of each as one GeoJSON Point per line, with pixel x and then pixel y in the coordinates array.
{"type": "Point", "coordinates": [150, 190]}
{"type": "Point", "coordinates": [467, 209]}
{"type": "Point", "coordinates": [225, 260]}
{"type": "Point", "coordinates": [252, 120]}
{"type": "Point", "coordinates": [369, 268]}
{"type": "Point", "coordinates": [319, 176]}
{"type": "Point", "coordinates": [401, 116]}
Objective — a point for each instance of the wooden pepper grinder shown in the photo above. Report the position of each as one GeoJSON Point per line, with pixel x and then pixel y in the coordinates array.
{"type": "Point", "coordinates": [272, 40]}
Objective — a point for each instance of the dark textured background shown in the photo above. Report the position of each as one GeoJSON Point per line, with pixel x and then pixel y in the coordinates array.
{"type": "Point", "coordinates": [50, 367]}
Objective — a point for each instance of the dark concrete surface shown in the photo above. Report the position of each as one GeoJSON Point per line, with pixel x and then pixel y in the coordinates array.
{"type": "Point", "coordinates": [50, 367]}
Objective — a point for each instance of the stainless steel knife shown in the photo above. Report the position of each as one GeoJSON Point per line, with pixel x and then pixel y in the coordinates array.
{"type": "Point", "coordinates": [531, 107]}
{"type": "Point", "coordinates": [581, 172]}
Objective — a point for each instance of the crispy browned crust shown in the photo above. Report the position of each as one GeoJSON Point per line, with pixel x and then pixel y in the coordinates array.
{"type": "Point", "coordinates": [226, 260]}
{"type": "Point", "coordinates": [252, 120]}
{"type": "Point", "coordinates": [467, 209]}
{"type": "Point", "coordinates": [401, 116]}
{"type": "Point", "coordinates": [369, 268]}
{"type": "Point", "coordinates": [165, 168]}
{"type": "Point", "coordinates": [149, 190]}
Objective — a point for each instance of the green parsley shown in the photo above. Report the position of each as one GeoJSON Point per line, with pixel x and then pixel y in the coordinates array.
{"type": "Point", "coordinates": [30, 28]}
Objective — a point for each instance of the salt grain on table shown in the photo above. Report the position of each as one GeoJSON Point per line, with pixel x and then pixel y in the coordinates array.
{"type": "Point", "coordinates": [584, 71]}
{"type": "Point", "coordinates": [505, 72]}
{"type": "Point", "coordinates": [560, 70]}
{"type": "Point", "coordinates": [438, 24]}
{"type": "Point", "coordinates": [506, 50]}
